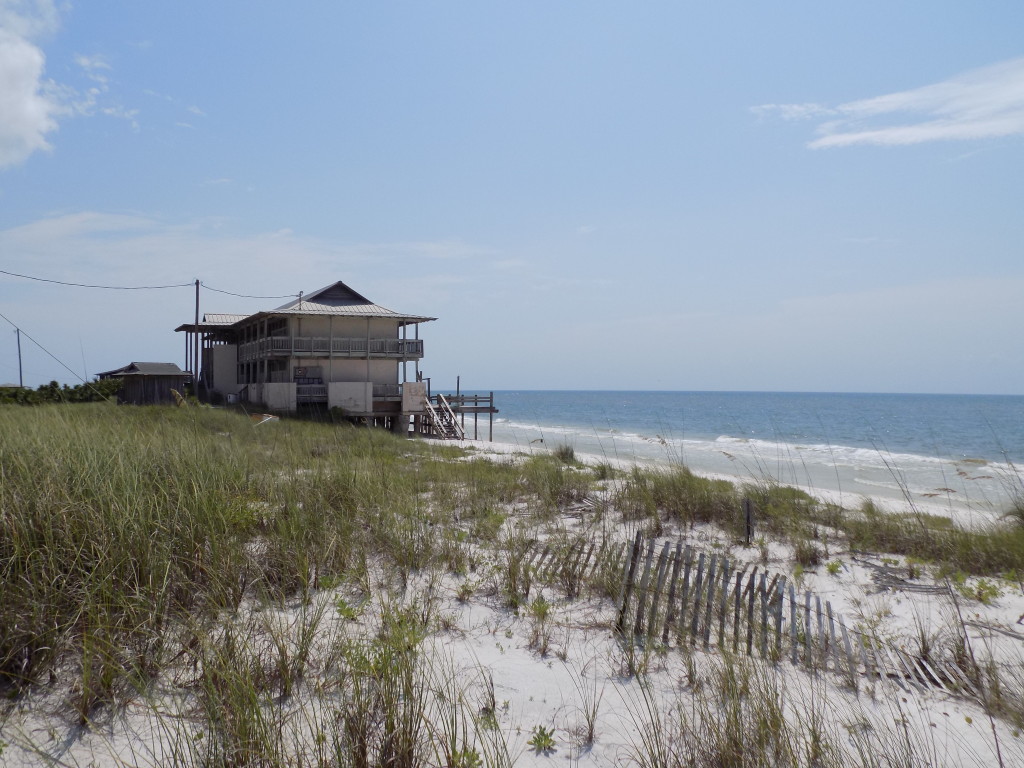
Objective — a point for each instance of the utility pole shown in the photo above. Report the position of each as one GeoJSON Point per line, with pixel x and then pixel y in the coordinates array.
{"type": "Point", "coordinates": [21, 380]}
{"type": "Point", "coordinates": [195, 349]}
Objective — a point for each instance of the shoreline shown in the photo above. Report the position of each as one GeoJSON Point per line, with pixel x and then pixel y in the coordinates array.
{"type": "Point", "coordinates": [967, 515]}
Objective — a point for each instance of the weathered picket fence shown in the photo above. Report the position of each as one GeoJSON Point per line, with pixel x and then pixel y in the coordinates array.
{"type": "Point", "coordinates": [676, 595]}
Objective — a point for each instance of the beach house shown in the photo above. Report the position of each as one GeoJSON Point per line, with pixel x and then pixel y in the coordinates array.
{"type": "Point", "coordinates": [332, 348]}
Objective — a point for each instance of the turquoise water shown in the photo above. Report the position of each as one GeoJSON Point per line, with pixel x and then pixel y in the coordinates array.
{"type": "Point", "coordinates": [956, 450]}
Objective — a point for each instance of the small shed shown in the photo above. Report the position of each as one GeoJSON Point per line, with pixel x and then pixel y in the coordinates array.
{"type": "Point", "coordinates": [148, 383]}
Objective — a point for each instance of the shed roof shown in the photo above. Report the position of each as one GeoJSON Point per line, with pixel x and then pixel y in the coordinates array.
{"type": "Point", "coordinates": [145, 369]}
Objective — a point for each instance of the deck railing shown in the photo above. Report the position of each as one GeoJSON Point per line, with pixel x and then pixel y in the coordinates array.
{"type": "Point", "coordinates": [324, 346]}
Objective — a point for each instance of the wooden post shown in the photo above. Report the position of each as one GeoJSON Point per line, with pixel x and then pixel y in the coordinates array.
{"type": "Point", "coordinates": [638, 627]}
{"type": "Point", "coordinates": [763, 589]}
{"type": "Point", "coordinates": [808, 648]}
{"type": "Point", "coordinates": [662, 572]}
{"type": "Point", "coordinates": [750, 614]}
{"type": "Point", "coordinates": [195, 349]}
{"type": "Point", "coordinates": [709, 602]}
{"type": "Point", "coordinates": [627, 583]}
{"type": "Point", "coordinates": [698, 587]}
{"type": "Point", "coordinates": [726, 574]}
{"type": "Point", "coordinates": [851, 665]}
{"type": "Point", "coordinates": [780, 593]}
{"type": "Point", "coordinates": [670, 608]}
{"type": "Point", "coordinates": [736, 598]}
{"type": "Point", "coordinates": [821, 629]}
{"type": "Point", "coordinates": [831, 637]}
{"type": "Point", "coordinates": [681, 628]}
{"type": "Point", "coordinates": [792, 624]}
{"type": "Point", "coordinates": [748, 513]}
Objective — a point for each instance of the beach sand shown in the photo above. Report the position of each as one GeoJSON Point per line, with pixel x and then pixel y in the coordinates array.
{"type": "Point", "coordinates": [580, 684]}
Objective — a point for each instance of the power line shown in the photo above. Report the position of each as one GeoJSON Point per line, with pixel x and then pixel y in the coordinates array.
{"type": "Point", "coordinates": [246, 296]}
{"type": "Point", "coordinates": [106, 287]}
{"type": "Point", "coordinates": [61, 362]}
{"type": "Point", "coordinates": [143, 287]}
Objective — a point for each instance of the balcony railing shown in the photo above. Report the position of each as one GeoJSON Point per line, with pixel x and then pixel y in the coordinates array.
{"type": "Point", "coordinates": [323, 346]}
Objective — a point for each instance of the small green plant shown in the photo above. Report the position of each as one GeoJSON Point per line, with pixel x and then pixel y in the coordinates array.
{"type": "Point", "coordinates": [542, 740]}
{"type": "Point", "coordinates": [346, 610]}
{"type": "Point", "coordinates": [540, 613]}
{"type": "Point", "coordinates": [466, 758]}
{"type": "Point", "coordinates": [465, 591]}
{"type": "Point", "coordinates": [987, 591]}
{"type": "Point", "coordinates": [834, 568]}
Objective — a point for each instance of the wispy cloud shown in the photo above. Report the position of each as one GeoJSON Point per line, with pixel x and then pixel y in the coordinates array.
{"type": "Point", "coordinates": [28, 103]}
{"type": "Point", "coordinates": [31, 104]}
{"type": "Point", "coordinates": [978, 104]}
{"type": "Point", "coordinates": [93, 66]}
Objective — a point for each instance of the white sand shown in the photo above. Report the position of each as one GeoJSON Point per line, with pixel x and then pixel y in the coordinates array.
{"type": "Point", "coordinates": [487, 645]}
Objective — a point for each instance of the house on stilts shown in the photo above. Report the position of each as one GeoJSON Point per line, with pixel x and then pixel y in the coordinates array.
{"type": "Point", "coordinates": [332, 349]}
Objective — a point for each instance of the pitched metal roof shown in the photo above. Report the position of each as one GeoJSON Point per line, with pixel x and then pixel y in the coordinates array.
{"type": "Point", "coordinates": [335, 299]}
{"type": "Point", "coordinates": [212, 322]}
{"type": "Point", "coordinates": [221, 319]}
{"type": "Point", "coordinates": [340, 300]}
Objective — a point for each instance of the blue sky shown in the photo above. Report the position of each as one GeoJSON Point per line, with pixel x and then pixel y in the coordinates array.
{"type": "Point", "coordinates": [728, 196]}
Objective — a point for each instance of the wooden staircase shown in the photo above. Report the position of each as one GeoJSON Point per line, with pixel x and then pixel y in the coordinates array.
{"type": "Point", "coordinates": [442, 421]}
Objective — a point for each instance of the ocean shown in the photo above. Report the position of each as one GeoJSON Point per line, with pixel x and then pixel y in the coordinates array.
{"type": "Point", "coordinates": [958, 451]}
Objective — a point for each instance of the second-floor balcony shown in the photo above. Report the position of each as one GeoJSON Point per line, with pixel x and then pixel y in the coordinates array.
{"type": "Point", "coordinates": [323, 346]}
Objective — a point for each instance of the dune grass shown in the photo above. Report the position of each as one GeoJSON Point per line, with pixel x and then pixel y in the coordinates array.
{"type": "Point", "coordinates": [142, 545]}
